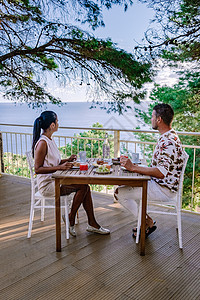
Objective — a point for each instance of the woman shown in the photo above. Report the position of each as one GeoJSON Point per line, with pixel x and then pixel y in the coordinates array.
{"type": "Point", "coordinates": [47, 161]}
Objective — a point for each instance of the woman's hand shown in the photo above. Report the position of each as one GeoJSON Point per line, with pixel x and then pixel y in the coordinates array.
{"type": "Point", "coordinates": [66, 166]}
{"type": "Point", "coordinates": [73, 157]}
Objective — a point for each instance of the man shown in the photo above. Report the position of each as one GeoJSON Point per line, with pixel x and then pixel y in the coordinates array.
{"type": "Point", "coordinates": [165, 169]}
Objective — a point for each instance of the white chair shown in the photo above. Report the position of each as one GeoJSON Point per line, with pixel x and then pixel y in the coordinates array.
{"type": "Point", "coordinates": [176, 203]}
{"type": "Point", "coordinates": [40, 202]}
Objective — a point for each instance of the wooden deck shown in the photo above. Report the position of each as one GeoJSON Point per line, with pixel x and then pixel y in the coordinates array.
{"type": "Point", "coordinates": [92, 266]}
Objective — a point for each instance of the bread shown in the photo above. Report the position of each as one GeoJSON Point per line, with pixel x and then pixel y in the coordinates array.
{"type": "Point", "coordinates": [100, 162]}
{"type": "Point", "coordinates": [76, 164]}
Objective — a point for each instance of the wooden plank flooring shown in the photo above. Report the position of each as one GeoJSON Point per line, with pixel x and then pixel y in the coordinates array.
{"type": "Point", "coordinates": [92, 266]}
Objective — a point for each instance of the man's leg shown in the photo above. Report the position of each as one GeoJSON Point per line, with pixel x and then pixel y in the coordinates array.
{"type": "Point", "coordinates": [129, 197]}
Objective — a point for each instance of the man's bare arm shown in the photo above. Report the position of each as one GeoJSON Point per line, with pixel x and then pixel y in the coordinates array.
{"type": "Point", "coordinates": [150, 171]}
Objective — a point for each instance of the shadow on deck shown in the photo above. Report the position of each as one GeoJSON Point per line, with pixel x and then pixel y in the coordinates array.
{"type": "Point", "coordinates": [92, 266]}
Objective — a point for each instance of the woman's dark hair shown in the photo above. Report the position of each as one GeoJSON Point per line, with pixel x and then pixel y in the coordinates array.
{"type": "Point", "coordinates": [164, 111]}
{"type": "Point", "coordinates": [42, 122]}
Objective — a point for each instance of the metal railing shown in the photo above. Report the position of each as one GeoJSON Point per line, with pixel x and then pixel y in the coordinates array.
{"type": "Point", "coordinates": [13, 146]}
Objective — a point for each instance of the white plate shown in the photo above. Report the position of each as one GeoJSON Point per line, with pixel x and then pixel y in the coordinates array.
{"type": "Point", "coordinates": [95, 165]}
{"type": "Point", "coordinates": [124, 169]}
{"type": "Point", "coordinates": [75, 168]}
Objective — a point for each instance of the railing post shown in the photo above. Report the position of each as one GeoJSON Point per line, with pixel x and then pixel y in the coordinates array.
{"type": "Point", "coordinates": [116, 143]}
{"type": "Point", "coordinates": [193, 173]}
{"type": "Point", "coordinates": [1, 154]}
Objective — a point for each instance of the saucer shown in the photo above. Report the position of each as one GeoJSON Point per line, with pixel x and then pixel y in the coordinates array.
{"type": "Point", "coordinates": [125, 170]}
{"type": "Point", "coordinates": [136, 162]}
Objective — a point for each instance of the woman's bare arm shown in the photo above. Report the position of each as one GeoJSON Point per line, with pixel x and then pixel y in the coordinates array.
{"type": "Point", "coordinates": [72, 158]}
{"type": "Point", "coordinates": [40, 153]}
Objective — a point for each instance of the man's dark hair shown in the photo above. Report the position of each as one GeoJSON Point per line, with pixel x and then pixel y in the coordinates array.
{"type": "Point", "coordinates": [164, 111]}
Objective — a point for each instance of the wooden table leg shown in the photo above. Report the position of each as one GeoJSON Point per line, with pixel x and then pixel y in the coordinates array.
{"type": "Point", "coordinates": [58, 215]}
{"type": "Point", "coordinates": [143, 221]}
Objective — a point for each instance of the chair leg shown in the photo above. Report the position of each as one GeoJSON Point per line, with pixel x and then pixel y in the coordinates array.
{"type": "Point", "coordinates": [179, 228]}
{"type": "Point", "coordinates": [139, 222]}
{"type": "Point", "coordinates": [67, 219]}
{"type": "Point", "coordinates": [42, 209]}
{"type": "Point", "coordinates": [30, 221]}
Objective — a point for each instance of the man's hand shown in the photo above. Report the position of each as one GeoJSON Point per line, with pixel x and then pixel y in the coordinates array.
{"type": "Point", "coordinates": [66, 166]}
{"type": "Point", "coordinates": [126, 162]}
{"type": "Point", "coordinates": [150, 171]}
{"type": "Point", "coordinates": [73, 157]}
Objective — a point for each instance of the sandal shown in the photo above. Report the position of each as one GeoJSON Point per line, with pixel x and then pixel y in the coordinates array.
{"type": "Point", "coordinates": [148, 231]}
{"type": "Point", "coordinates": [135, 229]}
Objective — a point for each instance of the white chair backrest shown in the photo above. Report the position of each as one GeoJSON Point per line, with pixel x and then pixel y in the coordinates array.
{"type": "Point", "coordinates": [32, 171]}
{"type": "Point", "coordinates": [30, 162]}
{"type": "Point", "coordinates": [186, 156]}
{"type": "Point", "coordinates": [180, 188]}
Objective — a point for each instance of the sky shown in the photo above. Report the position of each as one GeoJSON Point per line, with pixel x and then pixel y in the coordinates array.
{"type": "Point", "coordinates": [124, 28]}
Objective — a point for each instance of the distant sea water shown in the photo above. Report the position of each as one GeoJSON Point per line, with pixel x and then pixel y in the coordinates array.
{"type": "Point", "coordinates": [73, 114]}
{"type": "Point", "coordinates": [77, 114]}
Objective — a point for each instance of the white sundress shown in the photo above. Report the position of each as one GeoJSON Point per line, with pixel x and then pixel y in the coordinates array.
{"type": "Point", "coordinates": [46, 183]}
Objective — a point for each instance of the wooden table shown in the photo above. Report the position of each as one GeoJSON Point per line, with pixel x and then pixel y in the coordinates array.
{"type": "Point", "coordinates": [117, 177]}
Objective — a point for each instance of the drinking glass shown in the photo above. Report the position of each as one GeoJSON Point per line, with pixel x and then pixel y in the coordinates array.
{"type": "Point", "coordinates": [124, 155]}
{"type": "Point", "coordinates": [135, 157]}
{"type": "Point", "coordinates": [83, 167]}
{"type": "Point", "coordinates": [82, 155]}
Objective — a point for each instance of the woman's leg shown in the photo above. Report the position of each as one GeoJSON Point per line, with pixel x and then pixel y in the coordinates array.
{"type": "Point", "coordinates": [88, 206]}
{"type": "Point", "coordinates": [82, 195]}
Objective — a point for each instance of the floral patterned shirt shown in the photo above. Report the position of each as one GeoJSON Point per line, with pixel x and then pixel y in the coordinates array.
{"type": "Point", "coordinates": [168, 157]}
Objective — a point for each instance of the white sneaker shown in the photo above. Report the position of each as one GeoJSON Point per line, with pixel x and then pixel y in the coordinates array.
{"type": "Point", "coordinates": [72, 231]}
{"type": "Point", "coordinates": [100, 230]}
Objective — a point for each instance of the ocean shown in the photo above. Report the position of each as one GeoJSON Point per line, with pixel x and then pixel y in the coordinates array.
{"type": "Point", "coordinates": [73, 114]}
